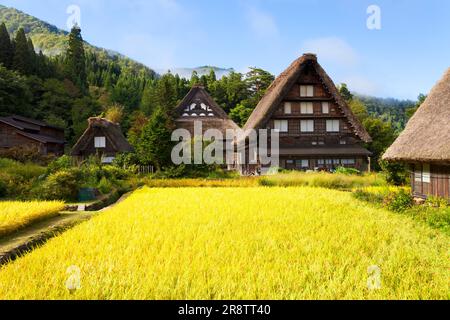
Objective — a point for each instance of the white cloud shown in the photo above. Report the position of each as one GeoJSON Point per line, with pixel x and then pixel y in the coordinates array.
{"type": "Point", "coordinates": [332, 50]}
{"type": "Point", "coordinates": [360, 84]}
{"type": "Point", "coordinates": [262, 23]}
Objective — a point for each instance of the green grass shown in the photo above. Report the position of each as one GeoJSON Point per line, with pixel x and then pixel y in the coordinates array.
{"type": "Point", "coordinates": [237, 243]}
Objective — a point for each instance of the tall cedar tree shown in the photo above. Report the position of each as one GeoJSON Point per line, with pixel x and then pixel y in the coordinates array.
{"type": "Point", "coordinates": [22, 57]}
{"type": "Point", "coordinates": [155, 145]}
{"type": "Point", "coordinates": [32, 57]}
{"type": "Point", "coordinates": [76, 60]}
{"type": "Point", "coordinates": [6, 48]}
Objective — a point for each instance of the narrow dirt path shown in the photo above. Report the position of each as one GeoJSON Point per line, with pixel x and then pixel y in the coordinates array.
{"type": "Point", "coordinates": [24, 240]}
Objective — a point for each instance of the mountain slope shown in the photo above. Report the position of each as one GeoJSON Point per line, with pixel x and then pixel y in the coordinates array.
{"type": "Point", "coordinates": [53, 41]}
{"type": "Point", "coordinates": [204, 70]}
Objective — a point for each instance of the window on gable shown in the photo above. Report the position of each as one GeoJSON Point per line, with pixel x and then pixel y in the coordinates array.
{"type": "Point", "coordinates": [307, 125]}
{"type": "Point", "coordinates": [306, 91]}
{"type": "Point", "coordinates": [325, 108]}
{"type": "Point", "coordinates": [306, 108]}
{"type": "Point", "coordinates": [281, 125]}
{"type": "Point", "coordinates": [287, 108]}
{"type": "Point", "coordinates": [333, 125]}
{"type": "Point", "coordinates": [100, 142]}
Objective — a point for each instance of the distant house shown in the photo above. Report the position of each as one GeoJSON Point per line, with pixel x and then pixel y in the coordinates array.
{"type": "Point", "coordinates": [102, 138]}
{"type": "Point", "coordinates": [17, 131]}
{"type": "Point", "coordinates": [318, 130]}
{"type": "Point", "coordinates": [425, 144]}
{"type": "Point", "coordinates": [199, 106]}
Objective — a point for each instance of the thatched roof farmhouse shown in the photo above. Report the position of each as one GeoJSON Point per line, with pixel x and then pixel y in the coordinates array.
{"type": "Point", "coordinates": [318, 130]}
{"type": "Point", "coordinates": [425, 143]}
{"type": "Point", "coordinates": [102, 138]}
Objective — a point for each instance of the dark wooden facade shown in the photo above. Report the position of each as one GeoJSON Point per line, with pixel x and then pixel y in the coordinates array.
{"type": "Point", "coordinates": [317, 129]}
{"type": "Point", "coordinates": [17, 131]}
{"type": "Point", "coordinates": [430, 180]}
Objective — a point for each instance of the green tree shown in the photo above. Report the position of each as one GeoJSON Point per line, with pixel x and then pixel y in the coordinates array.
{"type": "Point", "coordinates": [258, 80]}
{"type": "Point", "coordinates": [6, 48]}
{"type": "Point", "coordinates": [383, 135]}
{"type": "Point", "coordinates": [148, 101]}
{"type": "Point", "coordinates": [15, 96]}
{"type": "Point", "coordinates": [240, 114]}
{"type": "Point", "coordinates": [345, 92]}
{"type": "Point", "coordinates": [359, 109]}
{"type": "Point", "coordinates": [166, 93]}
{"type": "Point", "coordinates": [195, 79]}
{"type": "Point", "coordinates": [22, 58]}
{"type": "Point", "coordinates": [411, 111]}
{"type": "Point", "coordinates": [76, 59]}
{"type": "Point", "coordinates": [155, 146]}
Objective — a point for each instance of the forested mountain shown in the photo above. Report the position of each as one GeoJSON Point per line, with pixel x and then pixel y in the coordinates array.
{"type": "Point", "coordinates": [388, 109]}
{"type": "Point", "coordinates": [52, 41]}
{"type": "Point", "coordinates": [201, 71]}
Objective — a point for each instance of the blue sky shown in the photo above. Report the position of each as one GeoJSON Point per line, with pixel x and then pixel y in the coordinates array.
{"type": "Point", "coordinates": [405, 57]}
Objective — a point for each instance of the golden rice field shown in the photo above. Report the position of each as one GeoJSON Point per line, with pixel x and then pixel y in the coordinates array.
{"type": "Point", "coordinates": [15, 215]}
{"type": "Point", "coordinates": [237, 243]}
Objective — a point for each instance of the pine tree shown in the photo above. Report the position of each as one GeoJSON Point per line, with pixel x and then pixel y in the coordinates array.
{"type": "Point", "coordinates": [6, 48]}
{"type": "Point", "coordinates": [345, 93]}
{"type": "Point", "coordinates": [32, 57]}
{"type": "Point", "coordinates": [76, 59]}
{"type": "Point", "coordinates": [195, 80]}
{"type": "Point", "coordinates": [155, 146]}
{"type": "Point", "coordinates": [22, 60]}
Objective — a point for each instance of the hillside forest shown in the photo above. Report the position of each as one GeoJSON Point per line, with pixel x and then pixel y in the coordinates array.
{"type": "Point", "coordinates": [67, 88]}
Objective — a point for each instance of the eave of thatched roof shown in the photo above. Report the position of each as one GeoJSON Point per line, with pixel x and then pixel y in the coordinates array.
{"type": "Point", "coordinates": [111, 130]}
{"type": "Point", "coordinates": [198, 94]}
{"type": "Point", "coordinates": [283, 84]}
{"type": "Point", "coordinates": [427, 135]}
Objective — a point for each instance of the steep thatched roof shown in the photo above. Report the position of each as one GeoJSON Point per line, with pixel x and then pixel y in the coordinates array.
{"type": "Point", "coordinates": [284, 83]}
{"type": "Point", "coordinates": [111, 131]}
{"type": "Point", "coordinates": [427, 135]}
{"type": "Point", "coordinates": [199, 95]}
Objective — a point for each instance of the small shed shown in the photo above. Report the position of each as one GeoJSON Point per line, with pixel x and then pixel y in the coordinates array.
{"type": "Point", "coordinates": [425, 144]}
{"type": "Point", "coordinates": [102, 138]}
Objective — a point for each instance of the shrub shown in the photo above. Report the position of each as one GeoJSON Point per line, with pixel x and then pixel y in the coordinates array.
{"type": "Point", "coordinates": [3, 188]}
{"type": "Point", "coordinates": [348, 171]}
{"type": "Point", "coordinates": [26, 153]}
{"type": "Point", "coordinates": [437, 202]}
{"type": "Point", "coordinates": [112, 172]}
{"type": "Point", "coordinates": [62, 185]}
{"type": "Point", "coordinates": [126, 160]}
{"type": "Point", "coordinates": [64, 162]}
{"type": "Point", "coordinates": [396, 173]}
{"type": "Point", "coordinates": [104, 186]}
{"type": "Point", "coordinates": [399, 201]}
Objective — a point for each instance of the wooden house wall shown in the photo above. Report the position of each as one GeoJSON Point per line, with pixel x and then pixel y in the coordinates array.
{"type": "Point", "coordinates": [439, 184]}
{"type": "Point", "coordinates": [294, 138]}
{"type": "Point", "coordinates": [89, 149]}
{"type": "Point", "coordinates": [10, 138]}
